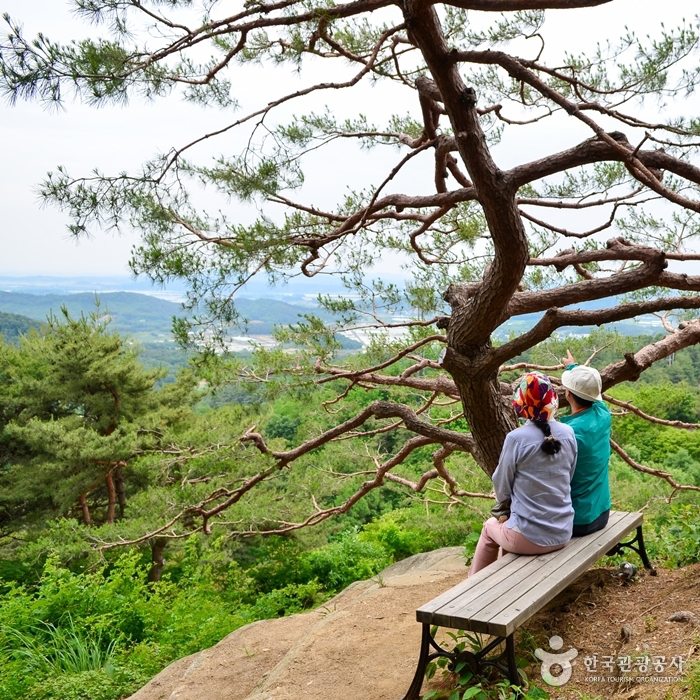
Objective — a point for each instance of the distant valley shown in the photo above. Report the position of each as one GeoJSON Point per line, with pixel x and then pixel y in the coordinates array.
{"type": "Point", "coordinates": [144, 318]}
{"type": "Point", "coordinates": [147, 319]}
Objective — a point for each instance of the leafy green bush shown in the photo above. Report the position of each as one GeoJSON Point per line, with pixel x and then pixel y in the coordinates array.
{"type": "Point", "coordinates": [338, 564]}
{"type": "Point", "coordinates": [283, 427]}
{"type": "Point", "coordinates": [88, 685]}
{"type": "Point", "coordinates": [294, 598]}
{"type": "Point", "coordinates": [398, 541]}
{"type": "Point", "coordinates": [675, 535]}
{"type": "Point", "coordinates": [101, 634]}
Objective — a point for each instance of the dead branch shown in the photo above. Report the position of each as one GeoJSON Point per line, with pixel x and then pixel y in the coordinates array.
{"type": "Point", "coordinates": [633, 365]}
{"type": "Point", "coordinates": [343, 374]}
{"type": "Point", "coordinates": [321, 514]}
{"type": "Point", "coordinates": [442, 383]}
{"type": "Point", "coordinates": [617, 249]}
{"type": "Point", "coordinates": [378, 410]}
{"type": "Point", "coordinates": [528, 366]}
{"type": "Point", "coordinates": [566, 232]}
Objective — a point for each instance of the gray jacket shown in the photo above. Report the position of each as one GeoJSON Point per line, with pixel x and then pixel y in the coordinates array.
{"type": "Point", "coordinates": [538, 484]}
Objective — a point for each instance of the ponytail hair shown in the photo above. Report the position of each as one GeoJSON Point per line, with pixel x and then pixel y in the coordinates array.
{"type": "Point", "coordinates": [550, 445]}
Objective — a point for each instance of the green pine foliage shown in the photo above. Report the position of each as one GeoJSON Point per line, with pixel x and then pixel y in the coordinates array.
{"type": "Point", "coordinates": [71, 402]}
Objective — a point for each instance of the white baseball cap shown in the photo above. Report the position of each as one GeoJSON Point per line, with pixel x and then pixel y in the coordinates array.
{"type": "Point", "coordinates": [583, 381]}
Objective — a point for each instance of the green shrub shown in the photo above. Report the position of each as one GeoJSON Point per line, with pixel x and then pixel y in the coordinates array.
{"type": "Point", "coordinates": [291, 599]}
{"type": "Point", "coordinates": [675, 536]}
{"type": "Point", "coordinates": [283, 427]}
{"type": "Point", "coordinates": [88, 685]}
{"type": "Point", "coordinates": [108, 628]}
{"type": "Point", "coordinates": [398, 541]}
{"type": "Point", "coordinates": [338, 564]}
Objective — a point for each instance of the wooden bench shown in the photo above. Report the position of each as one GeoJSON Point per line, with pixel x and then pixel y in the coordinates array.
{"type": "Point", "coordinates": [503, 596]}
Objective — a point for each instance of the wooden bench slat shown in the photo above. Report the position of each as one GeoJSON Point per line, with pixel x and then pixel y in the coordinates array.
{"type": "Point", "coordinates": [484, 606]}
{"type": "Point", "coordinates": [443, 615]}
{"type": "Point", "coordinates": [424, 613]}
{"type": "Point", "coordinates": [497, 598]}
{"type": "Point", "coordinates": [517, 609]}
{"type": "Point", "coordinates": [481, 598]}
{"type": "Point", "coordinates": [469, 605]}
{"type": "Point", "coordinates": [501, 597]}
{"type": "Point", "coordinates": [494, 573]}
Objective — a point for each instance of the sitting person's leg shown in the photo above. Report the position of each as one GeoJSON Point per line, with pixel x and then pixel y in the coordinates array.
{"type": "Point", "coordinates": [598, 524]}
{"type": "Point", "coordinates": [486, 548]}
{"type": "Point", "coordinates": [495, 535]}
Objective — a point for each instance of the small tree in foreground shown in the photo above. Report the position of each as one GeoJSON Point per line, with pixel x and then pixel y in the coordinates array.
{"type": "Point", "coordinates": [499, 242]}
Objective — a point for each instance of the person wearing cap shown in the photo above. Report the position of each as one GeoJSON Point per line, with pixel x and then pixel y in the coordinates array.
{"type": "Point", "coordinates": [591, 422]}
{"type": "Point", "coordinates": [534, 471]}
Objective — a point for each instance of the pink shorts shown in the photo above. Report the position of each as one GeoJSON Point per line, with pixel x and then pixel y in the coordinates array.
{"type": "Point", "coordinates": [495, 535]}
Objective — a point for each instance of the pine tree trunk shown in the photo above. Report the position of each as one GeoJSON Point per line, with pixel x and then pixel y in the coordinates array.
{"type": "Point", "coordinates": [158, 562]}
{"type": "Point", "coordinates": [119, 485]}
{"type": "Point", "coordinates": [476, 312]}
{"type": "Point", "coordinates": [487, 410]}
{"type": "Point", "coordinates": [111, 496]}
{"type": "Point", "coordinates": [84, 507]}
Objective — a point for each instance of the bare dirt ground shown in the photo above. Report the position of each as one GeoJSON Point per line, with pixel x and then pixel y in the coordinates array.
{"type": "Point", "coordinates": [590, 616]}
{"type": "Point", "coordinates": [363, 644]}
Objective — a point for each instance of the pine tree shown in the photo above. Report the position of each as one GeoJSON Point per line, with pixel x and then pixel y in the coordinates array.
{"type": "Point", "coordinates": [71, 402]}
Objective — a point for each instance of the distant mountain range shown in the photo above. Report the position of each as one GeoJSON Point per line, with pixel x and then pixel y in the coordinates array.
{"type": "Point", "coordinates": [138, 315]}
{"type": "Point", "coordinates": [147, 318]}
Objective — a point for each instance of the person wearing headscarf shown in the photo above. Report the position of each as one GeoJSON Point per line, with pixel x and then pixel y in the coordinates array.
{"type": "Point", "coordinates": [534, 471]}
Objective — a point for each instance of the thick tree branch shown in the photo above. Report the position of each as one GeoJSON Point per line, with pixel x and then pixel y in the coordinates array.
{"type": "Point", "coordinates": [343, 374]}
{"type": "Point", "coordinates": [441, 384]}
{"type": "Point", "coordinates": [519, 5]}
{"type": "Point", "coordinates": [612, 146]}
{"type": "Point", "coordinates": [557, 318]}
{"type": "Point", "coordinates": [628, 406]}
{"type": "Point", "coordinates": [654, 472]}
{"type": "Point", "coordinates": [496, 194]}
{"type": "Point", "coordinates": [379, 410]}
{"type": "Point", "coordinates": [520, 70]}
{"type": "Point", "coordinates": [650, 273]}
{"type": "Point", "coordinates": [381, 475]}
{"type": "Point", "coordinates": [618, 249]}
{"type": "Point", "coordinates": [596, 150]}
{"type": "Point", "coordinates": [634, 364]}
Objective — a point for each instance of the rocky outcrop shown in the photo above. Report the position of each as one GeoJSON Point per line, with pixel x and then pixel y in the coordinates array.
{"type": "Point", "coordinates": [361, 644]}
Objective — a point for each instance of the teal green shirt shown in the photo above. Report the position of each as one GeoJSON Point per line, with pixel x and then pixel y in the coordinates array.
{"type": "Point", "coordinates": [590, 488]}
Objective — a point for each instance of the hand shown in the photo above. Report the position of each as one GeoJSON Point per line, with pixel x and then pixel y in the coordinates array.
{"type": "Point", "coordinates": [569, 359]}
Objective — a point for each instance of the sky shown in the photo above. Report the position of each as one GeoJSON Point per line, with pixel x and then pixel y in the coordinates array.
{"type": "Point", "coordinates": [33, 238]}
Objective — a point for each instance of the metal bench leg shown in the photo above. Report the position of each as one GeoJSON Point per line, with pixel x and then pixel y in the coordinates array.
{"type": "Point", "coordinates": [643, 552]}
{"type": "Point", "coordinates": [513, 675]}
{"type": "Point", "coordinates": [636, 545]}
{"type": "Point", "coordinates": [504, 661]}
{"type": "Point", "coordinates": [414, 691]}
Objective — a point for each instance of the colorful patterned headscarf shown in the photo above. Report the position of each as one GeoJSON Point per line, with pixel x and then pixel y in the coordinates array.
{"type": "Point", "coordinates": [535, 398]}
